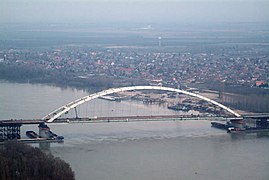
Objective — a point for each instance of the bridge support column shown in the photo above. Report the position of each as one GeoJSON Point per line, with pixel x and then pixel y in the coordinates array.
{"type": "Point", "coordinates": [76, 112]}
{"type": "Point", "coordinates": [44, 131]}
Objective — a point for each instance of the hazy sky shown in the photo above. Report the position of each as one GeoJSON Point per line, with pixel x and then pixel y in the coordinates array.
{"type": "Point", "coordinates": [142, 11]}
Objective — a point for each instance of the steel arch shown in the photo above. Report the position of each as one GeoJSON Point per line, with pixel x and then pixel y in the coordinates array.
{"type": "Point", "coordinates": [58, 112]}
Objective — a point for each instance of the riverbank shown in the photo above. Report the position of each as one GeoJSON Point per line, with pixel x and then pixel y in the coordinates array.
{"type": "Point", "coordinates": [167, 99]}
{"type": "Point", "coordinates": [181, 102]}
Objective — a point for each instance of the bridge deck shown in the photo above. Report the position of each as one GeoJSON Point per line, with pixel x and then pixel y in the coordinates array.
{"type": "Point", "coordinates": [140, 118]}
{"type": "Point", "coordinates": [127, 118]}
{"type": "Point", "coordinates": [257, 116]}
{"type": "Point", "coordinates": [20, 122]}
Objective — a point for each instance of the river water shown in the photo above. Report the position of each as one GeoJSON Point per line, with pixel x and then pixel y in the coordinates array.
{"type": "Point", "coordinates": [172, 150]}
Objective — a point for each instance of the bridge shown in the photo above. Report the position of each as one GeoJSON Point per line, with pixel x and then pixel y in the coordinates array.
{"type": "Point", "coordinates": [64, 109]}
{"type": "Point", "coordinates": [10, 129]}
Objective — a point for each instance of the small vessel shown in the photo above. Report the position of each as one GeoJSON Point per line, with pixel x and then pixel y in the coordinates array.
{"type": "Point", "coordinates": [179, 107]}
{"type": "Point", "coordinates": [45, 132]}
{"type": "Point", "coordinates": [110, 98]}
{"type": "Point", "coordinates": [55, 136]}
{"type": "Point", "coordinates": [32, 134]}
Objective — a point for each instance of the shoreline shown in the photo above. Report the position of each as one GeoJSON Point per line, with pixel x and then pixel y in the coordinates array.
{"type": "Point", "coordinates": [158, 97]}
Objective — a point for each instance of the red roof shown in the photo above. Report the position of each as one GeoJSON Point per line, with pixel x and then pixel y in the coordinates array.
{"type": "Point", "coordinates": [259, 83]}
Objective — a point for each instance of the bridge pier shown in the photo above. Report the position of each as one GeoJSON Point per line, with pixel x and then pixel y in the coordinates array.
{"type": "Point", "coordinates": [10, 131]}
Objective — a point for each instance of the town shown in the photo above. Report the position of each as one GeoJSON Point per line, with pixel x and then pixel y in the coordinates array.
{"type": "Point", "coordinates": [233, 66]}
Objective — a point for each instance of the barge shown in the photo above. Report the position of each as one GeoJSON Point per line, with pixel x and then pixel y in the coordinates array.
{"type": "Point", "coordinates": [41, 140]}
{"type": "Point", "coordinates": [239, 125]}
{"type": "Point", "coordinates": [220, 125]}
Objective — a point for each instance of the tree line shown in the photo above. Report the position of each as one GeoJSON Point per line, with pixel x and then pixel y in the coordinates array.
{"type": "Point", "coordinates": [25, 73]}
{"type": "Point", "coordinates": [19, 161]}
{"type": "Point", "coordinates": [252, 99]}
{"type": "Point", "coordinates": [253, 103]}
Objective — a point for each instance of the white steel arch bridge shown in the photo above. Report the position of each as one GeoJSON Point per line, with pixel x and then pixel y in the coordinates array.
{"type": "Point", "coordinates": [62, 110]}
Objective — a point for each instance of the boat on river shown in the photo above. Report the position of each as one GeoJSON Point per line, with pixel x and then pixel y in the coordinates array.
{"type": "Point", "coordinates": [32, 135]}
{"type": "Point", "coordinates": [179, 107]}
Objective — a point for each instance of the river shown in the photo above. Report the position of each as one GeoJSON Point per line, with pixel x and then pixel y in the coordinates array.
{"type": "Point", "coordinates": [172, 150]}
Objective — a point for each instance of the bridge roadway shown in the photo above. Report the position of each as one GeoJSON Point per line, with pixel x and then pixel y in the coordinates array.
{"type": "Point", "coordinates": [115, 119]}
{"type": "Point", "coordinates": [20, 122]}
{"type": "Point", "coordinates": [132, 118]}
{"type": "Point", "coordinates": [139, 118]}
{"type": "Point", "coordinates": [256, 115]}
